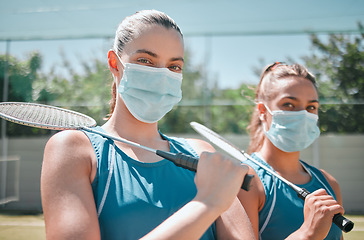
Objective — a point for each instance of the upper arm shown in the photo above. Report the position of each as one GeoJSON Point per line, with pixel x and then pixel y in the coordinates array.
{"type": "Point", "coordinates": [253, 201]}
{"type": "Point", "coordinates": [234, 223]}
{"type": "Point", "coordinates": [200, 146]}
{"type": "Point", "coordinates": [334, 185]}
{"type": "Point", "coordinates": [67, 198]}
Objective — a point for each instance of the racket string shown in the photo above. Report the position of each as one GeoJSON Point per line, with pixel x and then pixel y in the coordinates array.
{"type": "Point", "coordinates": [44, 116]}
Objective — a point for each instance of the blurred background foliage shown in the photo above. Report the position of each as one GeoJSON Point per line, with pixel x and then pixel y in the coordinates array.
{"type": "Point", "coordinates": [337, 62]}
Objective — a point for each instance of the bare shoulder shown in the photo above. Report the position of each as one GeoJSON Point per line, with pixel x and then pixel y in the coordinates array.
{"type": "Point", "coordinates": [68, 148]}
{"type": "Point", "coordinates": [253, 200]}
{"type": "Point", "coordinates": [200, 146]}
{"type": "Point", "coordinates": [256, 191]}
{"type": "Point", "coordinates": [68, 136]}
{"type": "Point", "coordinates": [334, 184]}
{"type": "Point", "coordinates": [67, 198]}
{"type": "Point", "coordinates": [68, 141]}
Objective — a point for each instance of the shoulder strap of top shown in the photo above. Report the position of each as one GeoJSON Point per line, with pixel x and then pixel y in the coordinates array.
{"type": "Point", "coordinates": [180, 145]}
{"type": "Point", "coordinates": [315, 172]}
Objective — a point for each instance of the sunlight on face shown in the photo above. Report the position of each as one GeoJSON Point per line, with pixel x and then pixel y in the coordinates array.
{"type": "Point", "coordinates": [157, 47]}
{"type": "Point", "coordinates": [294, 94]}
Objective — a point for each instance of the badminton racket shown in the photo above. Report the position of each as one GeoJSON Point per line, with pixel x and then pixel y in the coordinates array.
{"type": "Point", "coordinates": [55, 118]}
{"type": "Point", "coordinates": [343, 223]}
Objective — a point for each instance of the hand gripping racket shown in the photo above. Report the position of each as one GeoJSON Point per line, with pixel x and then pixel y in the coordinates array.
{"type": "Point", "coordinates": [343, 223]}
{"type": "Point", "coordinates": [55, 118]}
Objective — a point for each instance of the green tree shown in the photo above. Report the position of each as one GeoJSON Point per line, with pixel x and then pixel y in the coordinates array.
{"type": "Point", "coordinates": [339, 68]}
{"type": "Point", "coordinates": [88, 92]}
{"type": "Point", "coordinates": [222, 110]}
{"type": "Point", "coordinates": [21, 76]}
{"type": "Point", "coordinates": [233, 109]}
{"type": "Point", "coordinates": [191, 107]}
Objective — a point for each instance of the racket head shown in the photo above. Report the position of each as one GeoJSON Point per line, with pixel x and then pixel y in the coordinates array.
{"type": "Point", "coordinates": [44, 116]}
{"type": "Point", "coordinates": [218, 140]}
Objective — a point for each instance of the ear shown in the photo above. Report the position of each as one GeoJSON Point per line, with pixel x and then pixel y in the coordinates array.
{"type": "Point", "coordinates": [262, 110]}
{"type": "Point", "coordinates": [113, 63]}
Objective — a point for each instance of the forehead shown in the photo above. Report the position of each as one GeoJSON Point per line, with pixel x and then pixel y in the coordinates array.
{"type": "Point", "coordinates": [157, 39]}
{"type": "Point", "coordinates": [297, 87]}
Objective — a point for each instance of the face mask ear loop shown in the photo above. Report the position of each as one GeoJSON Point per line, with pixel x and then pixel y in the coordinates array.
{"type": "Point", "coordinates": [263, 123]}
{"type": "Point", "coordinates": [268, 109]}
{"type": "Point", "coordinates": [119, 59]}
{"type": "Point", "coordinates": [120, 62]}
{"type": "Point", "coordinates": [264, 127]}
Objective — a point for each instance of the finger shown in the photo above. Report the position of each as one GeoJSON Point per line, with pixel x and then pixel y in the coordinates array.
{"type": "Point", "coordinates": [323, 198]}
{"type": "Point", "coordinates": [318, 192]}
{"type": "Point", "coordinates": [337, 209]}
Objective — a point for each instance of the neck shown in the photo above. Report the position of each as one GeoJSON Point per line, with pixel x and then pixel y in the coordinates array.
{"type": "Point", "coordinates": [287, 164]}
{"type": "Point", "coordinates": [123, 124]}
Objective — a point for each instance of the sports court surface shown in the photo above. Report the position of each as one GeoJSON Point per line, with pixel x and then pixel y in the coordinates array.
{"type": "Point", "coordinates": [31, 227]}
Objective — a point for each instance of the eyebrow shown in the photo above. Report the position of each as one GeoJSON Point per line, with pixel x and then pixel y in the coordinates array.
{"type": "Point", "coordinates": [152, 54]}
{"type": "Point", "coordinates": [147, 52]}
{"type": "Point", "coordinates": [294, 98]}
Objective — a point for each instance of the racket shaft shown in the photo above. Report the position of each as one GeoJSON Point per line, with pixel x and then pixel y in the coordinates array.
{"type": "Point", "coordinates": [119, 139]}
{"type": "Point", "coordinates": [180, 159]}
{"type": "Point", "coordinates": [293, 186]}
{"type": "Point", "coordinates": [190, 163]}
{"type": "Point", "coordinates": [343, 223]}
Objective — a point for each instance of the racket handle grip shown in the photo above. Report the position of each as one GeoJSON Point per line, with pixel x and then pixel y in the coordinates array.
{"type": "Point", "coordinates": [190, 163]}
{"type": "Point", "coordinates": [302, 193]}
{"type": "Point", "coordinates": [180, 159]}
{"type": "Point", "coordinates": [342, 222]}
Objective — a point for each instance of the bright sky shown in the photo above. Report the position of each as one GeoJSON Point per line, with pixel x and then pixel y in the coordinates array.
{"type": "Point", "coordinates": [230, 60]}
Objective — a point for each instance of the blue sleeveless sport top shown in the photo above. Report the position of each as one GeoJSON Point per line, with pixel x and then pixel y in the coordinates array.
{"type": "Point", "coordinates": [132, 197]}
{"type": "Point", "coordinates": [282, 213]}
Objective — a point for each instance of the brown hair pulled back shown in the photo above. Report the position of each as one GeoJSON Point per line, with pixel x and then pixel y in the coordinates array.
{"type": "Point", "coordinates": [266, 91]}
{"type": "Point", "coordinates": [130, 27]}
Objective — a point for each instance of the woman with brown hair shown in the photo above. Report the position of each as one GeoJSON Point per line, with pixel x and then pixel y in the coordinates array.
{"type": "Point", "coordinates": [284, 122]}
{"type": "Point", "coordinates": [93, 187]}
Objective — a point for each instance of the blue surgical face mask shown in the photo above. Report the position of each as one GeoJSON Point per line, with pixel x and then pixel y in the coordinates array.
{"type": "Point", "coordinates": [292, 131]}
{"type": "Point", "coordinates": [148, 92]}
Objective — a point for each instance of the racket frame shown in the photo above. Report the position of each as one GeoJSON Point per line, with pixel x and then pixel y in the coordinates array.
{"type": "Point", "coordinates": [43, 125]}
{"type": "Point", "coordinates": [343, 223]}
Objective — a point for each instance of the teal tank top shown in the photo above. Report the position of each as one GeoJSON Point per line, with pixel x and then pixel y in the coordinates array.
{"type": "Point", "coordinates": [282, 213]}
{"type": "Point", "coordinates": [132, 198]}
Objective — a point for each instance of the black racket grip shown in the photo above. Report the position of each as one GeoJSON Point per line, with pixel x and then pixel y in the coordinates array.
{"type": "Point", "coordinates": [190, 163]}
{"type": "Point", "coordinates": [342, 222]}
{"type": "Point", "coordinates": [180, 159]}
{"type": "Point", "coordinates": [302, 193]}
